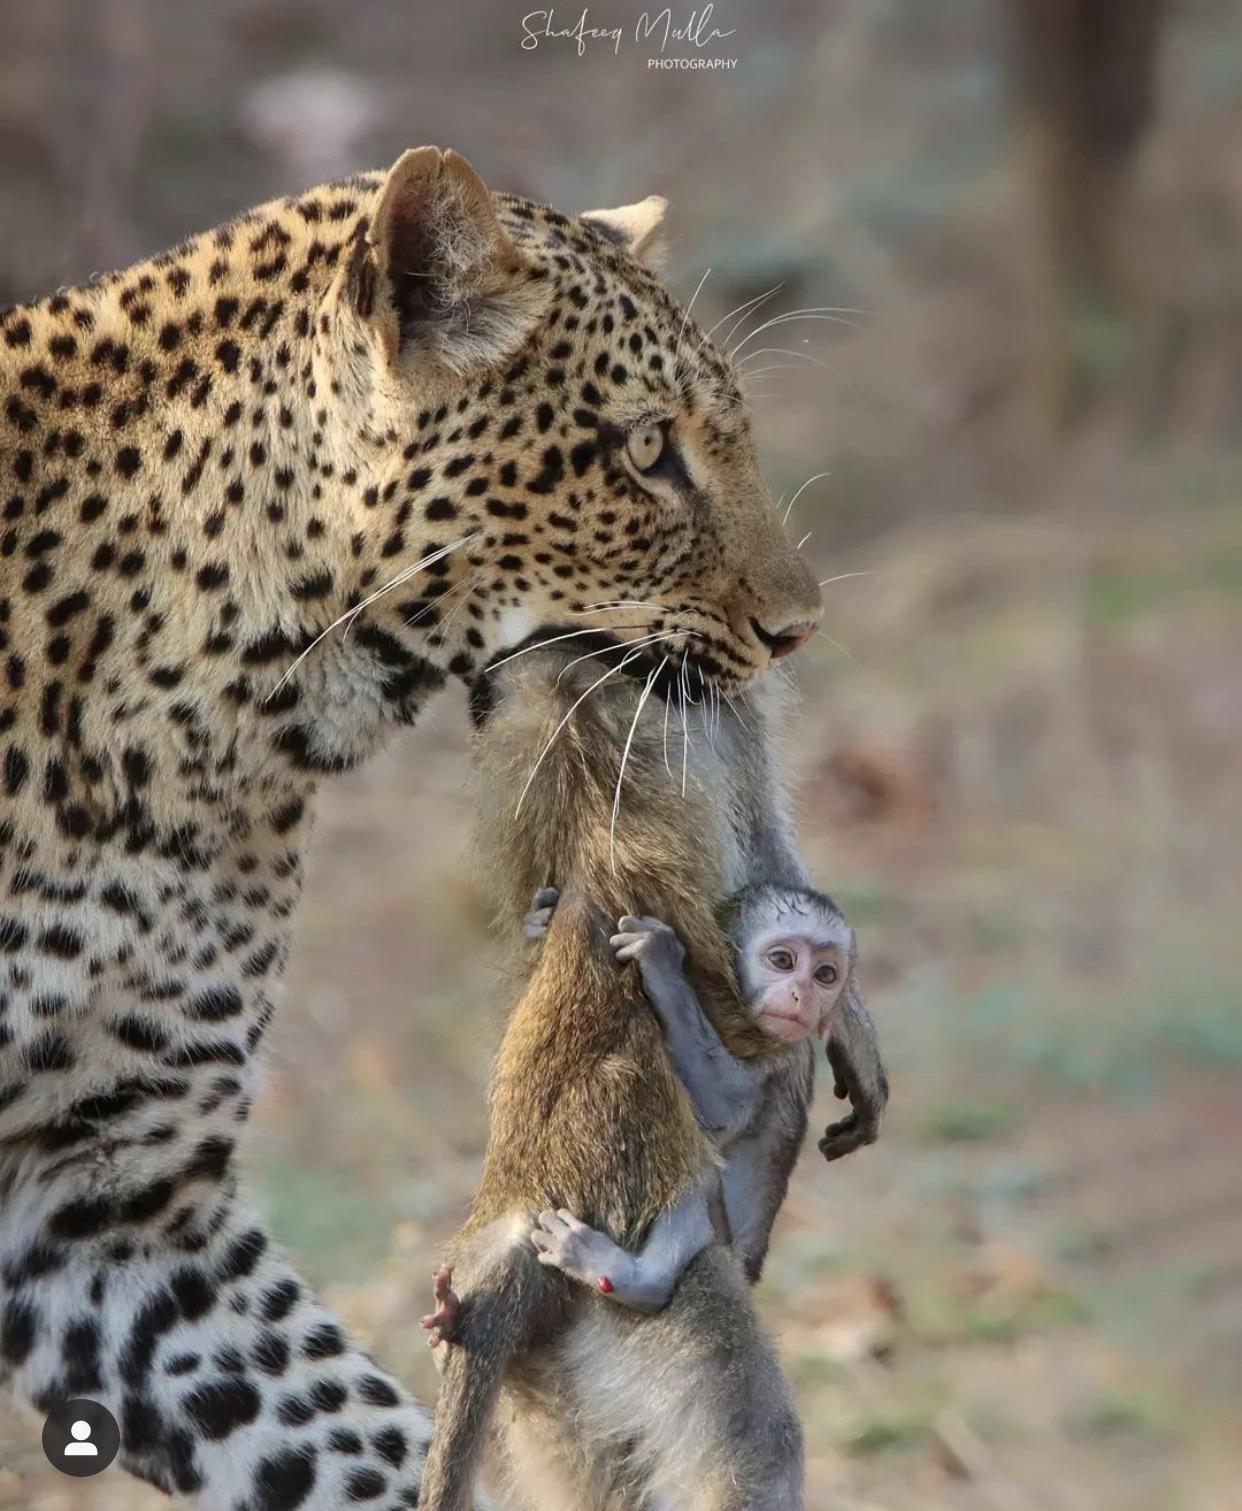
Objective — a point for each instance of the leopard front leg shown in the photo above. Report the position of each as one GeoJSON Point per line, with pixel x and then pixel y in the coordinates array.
{"type": "Point", "coordinates": [231, 1383]}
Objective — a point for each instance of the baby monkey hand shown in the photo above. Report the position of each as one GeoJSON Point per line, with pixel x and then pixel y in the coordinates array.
{"type": "Point", "coordinates": [652, 944]}
{"type": "Point", "coordinates": [542, 907]}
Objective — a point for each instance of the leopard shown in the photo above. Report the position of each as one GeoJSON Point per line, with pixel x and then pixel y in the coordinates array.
{"type": "Point", "coordinates": [261, 497]}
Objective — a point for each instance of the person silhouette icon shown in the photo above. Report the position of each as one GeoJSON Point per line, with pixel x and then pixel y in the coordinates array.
{"type": "Point", "coordinates": [81, 1447]}
{"type": "Point", "coordinates": [81, 1438]}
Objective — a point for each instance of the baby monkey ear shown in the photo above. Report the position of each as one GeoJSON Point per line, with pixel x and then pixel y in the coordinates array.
{"type": "Point", "coordinates": [638, 228]}
{"type": "Point", "coordinates": [450, 279]}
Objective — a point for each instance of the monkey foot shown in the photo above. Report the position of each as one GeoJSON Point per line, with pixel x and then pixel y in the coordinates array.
{"type": "Point", "coordinates": [844, 1137]}
{"type": "Point", "coordinates": [441, 1324]}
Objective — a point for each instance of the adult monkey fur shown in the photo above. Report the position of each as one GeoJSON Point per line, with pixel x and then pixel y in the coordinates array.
{"type": "Point", "coordinates": [587, 1112]}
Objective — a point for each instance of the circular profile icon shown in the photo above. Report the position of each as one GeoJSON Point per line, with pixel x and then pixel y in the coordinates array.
{"type": "Point", "coordinates": [80, 1438]}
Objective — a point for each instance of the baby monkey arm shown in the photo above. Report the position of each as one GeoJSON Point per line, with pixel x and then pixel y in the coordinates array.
{"type": "Point", "coordinates": [644, 1281]}
{"type": "Point", "coordinates": [726, 1092]}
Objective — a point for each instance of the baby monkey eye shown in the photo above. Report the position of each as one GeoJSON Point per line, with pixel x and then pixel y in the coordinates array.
{"type": "Point", "coordinates": [780, 960]}
{"type": "Point", "coordinates": [826, 975]}
{"type": "Point", "coordinates": [645, 445]}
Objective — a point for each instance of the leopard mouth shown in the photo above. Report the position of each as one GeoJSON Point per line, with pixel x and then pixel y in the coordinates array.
{"type": "Point", "coordinates": [675, 670]}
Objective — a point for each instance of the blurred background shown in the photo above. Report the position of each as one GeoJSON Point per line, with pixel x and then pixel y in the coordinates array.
{"type": "Point", "coordinates": [1018, 730]}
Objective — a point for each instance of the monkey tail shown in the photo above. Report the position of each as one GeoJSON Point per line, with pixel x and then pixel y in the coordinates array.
{"type": "Point", "coordinates": [500, 1314]}
{"type": "Point", "coordinates": [468, 1390]}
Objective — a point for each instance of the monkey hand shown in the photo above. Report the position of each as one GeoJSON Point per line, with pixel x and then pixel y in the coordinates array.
{"type": "Point", "coordinates": [542, 907]}
{"type": "Point", "coordinates": [441, 1324]}
{"type": "Point", "coordinates": [652, 944]}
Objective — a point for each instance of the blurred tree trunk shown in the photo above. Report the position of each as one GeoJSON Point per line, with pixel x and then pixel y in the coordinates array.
{"type": "Point", "coordinates": [111, 45]}
{"type": "Point", "coordinates": [1086, 75]}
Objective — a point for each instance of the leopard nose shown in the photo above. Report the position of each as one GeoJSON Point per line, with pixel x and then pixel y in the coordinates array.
{"type": "Point", "coordinates": [787, 638]}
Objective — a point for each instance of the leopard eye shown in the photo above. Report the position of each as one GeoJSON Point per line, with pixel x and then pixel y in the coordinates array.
{"type": "Point", "coordinates": [645, 445]}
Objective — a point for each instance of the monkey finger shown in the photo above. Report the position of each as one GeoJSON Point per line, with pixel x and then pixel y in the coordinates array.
{"type": "Point", "coordinates": [629, 951]}
{"type": "Point", "coordinates": [535, 924]}
{"type": "Point", "coordinates": [628, 941]}
{"type": "Point", "coordinates": [546, 897]}
{"type": "Point", "coordinates": [549, 1229]}
{"type": "Point", "coordinates": [653, 925]}
{"type": "Point", "coordinates": [628, 924]}
{"type": "Point", "coordinates": [632, 924]}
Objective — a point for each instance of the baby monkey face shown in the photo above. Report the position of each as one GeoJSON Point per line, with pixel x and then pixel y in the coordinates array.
{"type": "Point", "coordinates": [797, 978]}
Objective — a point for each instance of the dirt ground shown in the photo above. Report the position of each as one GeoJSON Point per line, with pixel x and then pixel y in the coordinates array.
{"type": "Point", "coordinates": [1017, 750]}
{"type": "Point", "coordinates": [1029, 1294]}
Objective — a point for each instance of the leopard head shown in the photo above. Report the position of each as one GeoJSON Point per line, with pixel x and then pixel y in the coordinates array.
{"type": "Point", "coordinates": [545, 442]}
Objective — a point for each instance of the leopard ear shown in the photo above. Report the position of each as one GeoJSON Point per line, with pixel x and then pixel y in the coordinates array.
{"type": "Point", "coordinates": [451, 280]}
{"type": "Point", "coordinates": [638, 228]}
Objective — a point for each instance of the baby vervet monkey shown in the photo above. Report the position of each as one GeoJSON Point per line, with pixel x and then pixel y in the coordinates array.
{"type": "Point", "coordinates": [794, 956]}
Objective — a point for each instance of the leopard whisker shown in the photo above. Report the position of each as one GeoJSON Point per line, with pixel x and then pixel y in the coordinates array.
{"type": "Point", "coordinates": [845, 576]}
{"type": "Point", "coordinates": [351, 614]}
{"type": "Point", "coordinates": [736, 713]}
{"type": "Point", "coordinates": [552, 640]}
{"type": "Point", "coordinates": [643, 640]}
{"type": "Point", "coordinates": [667, 767]}
{"type": "Point", "coordinates": [619, 603]}
{"type": "Point", "coordinates": [813, 479]}
{"type": "Point", "coordinates": [436, 602]}
{"type": "Point", "coordinates": [772, 367]}
{"type": "Point", "coordinates": [741, 311]}
{"type": "Point", "coordinates": [625, 755]}
{"type": "Point", "coordinates": [611, 672]}
{"type": "Point", "coordinates": [836, 644]}
{"type": "Point", "coordinates": [785, 351]}
{"type": "Point", "coordinates": [831, 313]}
{"type": "Point", "coordinates": [685, 729]}
{"type": "Point", "coordinates": [469, 584]}
{"type": "Point", "coordinates": [685, 319]}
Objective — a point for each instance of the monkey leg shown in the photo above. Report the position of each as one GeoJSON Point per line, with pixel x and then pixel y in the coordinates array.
{"type": "Point", "coordinates": [550, 1464]}
{"type": "Point", "coordinates": [692, 1398]}
{"type": "Point", "coordinates": [505, 1300]}
{"type": "Point", "coordinates": [643, 1282]}
{"type": "Point", "coordinates": [858, 1073]}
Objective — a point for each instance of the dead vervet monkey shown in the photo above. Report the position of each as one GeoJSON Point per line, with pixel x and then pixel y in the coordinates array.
{"type": "Point", "coordinates": [687, 1408]}
{"type": "Point", "coordinates": [795, 958]}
